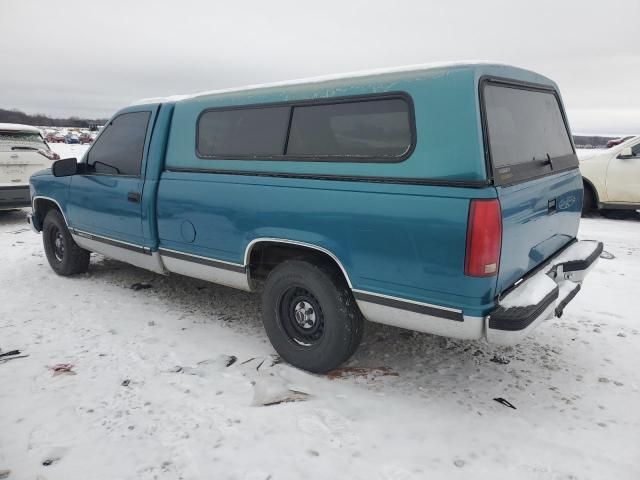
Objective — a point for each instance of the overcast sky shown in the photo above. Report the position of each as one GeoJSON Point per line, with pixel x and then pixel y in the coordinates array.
{"type": "Point", "coordinates": [89, 58]}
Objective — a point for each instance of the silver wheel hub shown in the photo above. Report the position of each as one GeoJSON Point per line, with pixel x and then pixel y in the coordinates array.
{"type": "Point", "coordinates": [58, 245]}
{"type": "Point", "coordinates": [305, 315]}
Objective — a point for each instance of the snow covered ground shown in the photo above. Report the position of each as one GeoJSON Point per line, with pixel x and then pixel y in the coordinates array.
{"type": "Point", "coordinates": [141, 405]}
{"type": "Point", "coordinates": [69, 150]}
{"type": "Point", "coordinates": [584, 153]}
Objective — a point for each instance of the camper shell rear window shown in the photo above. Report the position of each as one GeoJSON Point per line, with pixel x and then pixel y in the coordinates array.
{"type": "Point", "coordinates": [526, 133]}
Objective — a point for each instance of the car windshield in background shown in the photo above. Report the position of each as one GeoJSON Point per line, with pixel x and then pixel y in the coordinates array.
{"type": "Point", "coordinates": [526, 131]}
{"type": "Point", "coordinates": [12, 140]}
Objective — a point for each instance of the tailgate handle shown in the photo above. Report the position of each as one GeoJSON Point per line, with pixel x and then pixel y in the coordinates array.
{"type": "Point", "coordinates": [548, 161]}
{"type": "Point", "coordinates": [133, 197]}
{"type": "Point", "coordinates": [551, 206]}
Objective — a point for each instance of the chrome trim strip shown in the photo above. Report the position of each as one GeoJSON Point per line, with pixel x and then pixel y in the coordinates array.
{"type": "Point", "coordinates": [404, 300]}
{"type": "Point", "coordinates": [470, 328]}
{"type": "Point", "coordinates": [210, 259]}
{"type": "Point", "coordinates": [149, 261]}
{"type": "Point", "coordinates": [109, 240]}
{"type": "Point", "coordinates": [252, 243]}
{"type": "Point", "coordinates": [221, 276]}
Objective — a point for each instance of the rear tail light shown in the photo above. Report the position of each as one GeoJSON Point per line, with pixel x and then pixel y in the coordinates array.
{"type": "Point", "coordinates": [484, 238]}
{"type": "Point", "coordinates": [49, 154]}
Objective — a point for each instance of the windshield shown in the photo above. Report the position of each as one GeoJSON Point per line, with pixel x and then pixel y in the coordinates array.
{"type": "Point", "coordinates": [527, 133]}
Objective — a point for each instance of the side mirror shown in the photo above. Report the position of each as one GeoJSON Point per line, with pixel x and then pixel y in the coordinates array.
{"type": "Point", "coordinates": [65, 167]}
{"type": "Point", "coordinates": [626, 152]}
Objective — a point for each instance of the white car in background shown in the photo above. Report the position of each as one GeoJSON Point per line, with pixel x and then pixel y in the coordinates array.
{"type": "Point", "coordinates": [23, 151]}
{"type": "Point", "coordinates": [612, 177]}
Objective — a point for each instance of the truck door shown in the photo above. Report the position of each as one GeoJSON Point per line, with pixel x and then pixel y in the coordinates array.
{"type": "Point", "coordinates": [623, 177]}
{"type": "Point", "coordinates": [105, 200]}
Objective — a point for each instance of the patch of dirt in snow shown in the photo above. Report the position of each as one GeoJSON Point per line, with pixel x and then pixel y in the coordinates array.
{"type": "Point", "coordinates": [156, 394]}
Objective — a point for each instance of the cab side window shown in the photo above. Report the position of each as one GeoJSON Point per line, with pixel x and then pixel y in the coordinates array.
{"type": "Point", "coordinates": [119, 149]}
{"type": "Point", "coordinates": [635, 150]}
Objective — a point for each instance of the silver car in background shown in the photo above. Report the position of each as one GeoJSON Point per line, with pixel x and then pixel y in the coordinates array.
{"type": "Point", "coordinates": [23, 151]}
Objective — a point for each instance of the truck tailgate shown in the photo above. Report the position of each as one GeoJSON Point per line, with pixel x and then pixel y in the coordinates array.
{"type": "Point", "coordinates": [538, 218]}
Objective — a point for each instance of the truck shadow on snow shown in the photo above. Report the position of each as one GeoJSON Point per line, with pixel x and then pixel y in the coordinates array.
{"type": "Point", "coordinates": [629, 215]}
{"type": "Point", "coordinates": [416, 363]}
{"type": "Point", "coordinates": [14, 217]}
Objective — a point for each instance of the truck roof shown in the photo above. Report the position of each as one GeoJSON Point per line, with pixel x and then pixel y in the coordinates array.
{"type": "Point", "coordinates": [408, 69]}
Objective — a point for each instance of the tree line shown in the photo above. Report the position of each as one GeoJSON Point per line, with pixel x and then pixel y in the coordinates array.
{"type": "Point", "coordinates": [591, 141]}
{"type": "Point", "coordinates": [16, 116]}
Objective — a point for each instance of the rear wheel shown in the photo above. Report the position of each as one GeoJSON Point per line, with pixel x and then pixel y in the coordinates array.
{"type": "Point", "coordinates": [64, 255]}
{"type": "Point", "coordinates": [310, 316]}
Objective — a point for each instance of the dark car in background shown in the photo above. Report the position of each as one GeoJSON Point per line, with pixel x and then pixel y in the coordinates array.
{"type": "Point", "coordinates": [85, 138]}
{"type": "Point", "coordinates": [72, 138]}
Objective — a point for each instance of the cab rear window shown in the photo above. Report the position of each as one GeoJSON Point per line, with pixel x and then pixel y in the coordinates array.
{"type": "Point", "coordinates": [526, 132]}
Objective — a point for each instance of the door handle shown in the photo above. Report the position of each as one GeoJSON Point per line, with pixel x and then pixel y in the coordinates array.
{"type": "Point", "coordinates": [15, 155]}
{"type": "Point", "coordinates": [133, 197]}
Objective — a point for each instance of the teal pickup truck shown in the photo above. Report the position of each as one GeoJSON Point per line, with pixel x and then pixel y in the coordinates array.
{"type": "Point", "coordinates": [444, 199]}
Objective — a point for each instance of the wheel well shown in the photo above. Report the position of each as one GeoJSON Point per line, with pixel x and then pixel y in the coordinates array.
{"type": "Point", "coordinates": [265, 256]}
{"type": "Point", "coordinates": [42, 206]}
{"type": "Point", "coordinates": [587, 185]}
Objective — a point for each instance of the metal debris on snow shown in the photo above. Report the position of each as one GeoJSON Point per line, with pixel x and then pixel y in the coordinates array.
{"type": "Point", "coordinates": [62, 368]}
{"type": "Point", "coordinates": [504, 402]}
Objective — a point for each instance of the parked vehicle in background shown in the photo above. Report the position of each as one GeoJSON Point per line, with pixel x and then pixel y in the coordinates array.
{"type": "Point", "coordinates": [23, 151]}
{"type": "Point", "coordinates": [617, 141]}
{"type": "Point", "coordinates": [58, 137]}
{"type": "Point", "coordinates": [612, 177]}
{"type": "Point", "coordinates": [72, 138]}
{"type": "Point", "coordinates": [86, 137]}
{"type": "Point", "coordinates": [440, 199]}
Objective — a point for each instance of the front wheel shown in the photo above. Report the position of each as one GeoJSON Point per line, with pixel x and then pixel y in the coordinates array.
{"type": "Point", "coordinates": [64, 255]}
{"type": "Point", "coordinates": [310, 316]}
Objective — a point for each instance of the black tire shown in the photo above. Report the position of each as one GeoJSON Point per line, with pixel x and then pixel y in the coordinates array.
{"type": "Point", "coordinates": [64, 255]}
{"type": "Point", "coordinates": [588, 200]}
{"type": "Point", "coordinates": [310, 316]}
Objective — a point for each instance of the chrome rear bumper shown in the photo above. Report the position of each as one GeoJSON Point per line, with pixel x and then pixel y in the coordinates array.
{"type": "Point", "coordinates": [543, 295]}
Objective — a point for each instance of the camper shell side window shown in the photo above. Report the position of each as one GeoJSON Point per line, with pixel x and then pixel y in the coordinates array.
{"type": "Point", "coordinates": [372, 128]}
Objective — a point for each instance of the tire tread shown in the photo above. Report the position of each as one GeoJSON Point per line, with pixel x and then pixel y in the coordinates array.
{"type": "Point", "coordinates": [76, 259]}
{"type": "Point", "coordinates": [327, 283]}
